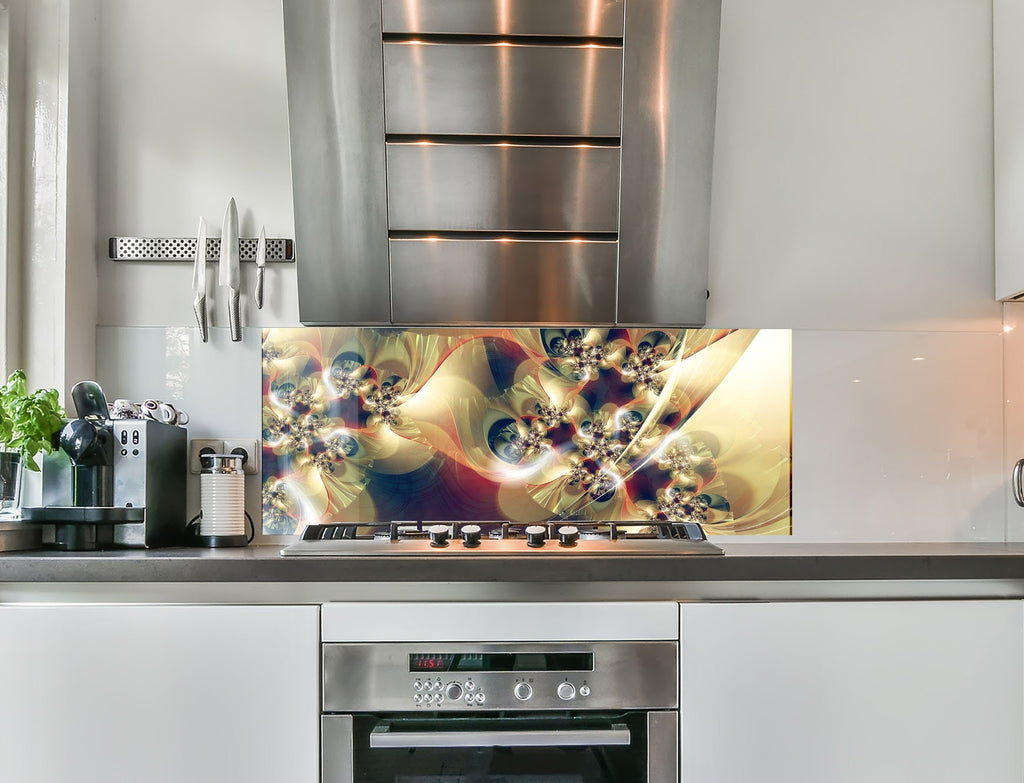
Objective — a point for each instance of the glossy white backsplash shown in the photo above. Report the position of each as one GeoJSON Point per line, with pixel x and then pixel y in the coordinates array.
{"type": "Point", "coordinates": [217, 383]}
{"type": "Point", "coordinates": [1013, 388]}
{"type": "Point", "coordinates": [897, 436]}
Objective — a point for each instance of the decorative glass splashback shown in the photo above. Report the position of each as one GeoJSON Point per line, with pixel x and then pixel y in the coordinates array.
{"type": "Point", "coordinates": [364, 424]}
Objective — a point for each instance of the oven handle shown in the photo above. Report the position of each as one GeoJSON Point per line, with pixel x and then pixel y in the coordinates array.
{"type": "Point", "coordinates": [383, 737]}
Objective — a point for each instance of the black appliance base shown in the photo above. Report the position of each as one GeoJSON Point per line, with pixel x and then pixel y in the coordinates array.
{"type": "Point", "coordinates": [82, 528]}
{"type": "Point", "coordinates": [89, 515]}
{"type": "Point", "coordinates": [220, 541]}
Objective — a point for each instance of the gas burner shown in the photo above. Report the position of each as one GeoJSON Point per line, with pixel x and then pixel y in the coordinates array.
{"type": "Point", "coordinates": [502, 538]}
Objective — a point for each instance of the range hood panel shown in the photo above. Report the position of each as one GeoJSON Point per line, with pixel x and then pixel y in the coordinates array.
{"type": "Point", "coordinates": [593, 18]}
{"type": "Point", "coordinates": [502, 188]}
{"type": "Point", "coordinates": [581, 131]}
{"type": "Point", "coordinates": [668, 131]}
{"type": "Point", "coordinates": [540, 281]}
{"type": "Point", "coordinates": [335, 126]}
{"type": "Point", "coordinates": [493, 89]}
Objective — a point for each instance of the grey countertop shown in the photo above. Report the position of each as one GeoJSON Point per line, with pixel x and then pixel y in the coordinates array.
{"type": "Point", "coordinates": [742, 562]}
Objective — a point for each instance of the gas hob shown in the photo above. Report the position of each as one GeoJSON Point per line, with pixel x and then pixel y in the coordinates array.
{"type": "Point", "coordinates": [481, 539]}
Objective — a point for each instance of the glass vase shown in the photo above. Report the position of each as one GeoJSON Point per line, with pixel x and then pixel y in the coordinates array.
{"type": "Point", "coordinates": [11, 469]}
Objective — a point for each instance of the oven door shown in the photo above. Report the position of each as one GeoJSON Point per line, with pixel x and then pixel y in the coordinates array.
{"type": "Point", "coordinates": [630, 747]}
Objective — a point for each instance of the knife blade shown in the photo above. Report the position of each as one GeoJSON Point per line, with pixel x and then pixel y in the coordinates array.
{"type": "Point", "coordinates": [261, 262]}
{"type": "Point", "coordinates": [229, 275]}
{"type": "Point", "coordinates": [199, 282]}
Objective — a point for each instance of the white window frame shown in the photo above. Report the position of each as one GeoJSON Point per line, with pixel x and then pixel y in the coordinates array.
{"type": "Point", "coordinates": [8, 320]}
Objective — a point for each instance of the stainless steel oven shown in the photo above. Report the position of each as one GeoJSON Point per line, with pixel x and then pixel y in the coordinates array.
{"type": "Point", "coordinates": [517, 712]}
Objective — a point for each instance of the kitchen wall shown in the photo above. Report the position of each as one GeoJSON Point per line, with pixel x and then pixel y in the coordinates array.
{"type": "Point", "coordinates": [852, 203]}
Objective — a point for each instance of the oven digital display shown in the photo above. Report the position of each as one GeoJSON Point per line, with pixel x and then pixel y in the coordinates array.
{"type": "Point", "coordinates": [502, 662]}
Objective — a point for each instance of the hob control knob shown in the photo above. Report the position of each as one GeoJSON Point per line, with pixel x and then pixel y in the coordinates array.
{"type": "Point", "coordinates": [522, 691]}
{"type": "Point", "coordinates": [566, 691]}
{"type": "Point", "coordinates": [470, 535]}
{"type": "Point", "coordinates": [438, 535]}
{"type": "Point", "coordinates": [453, 692]}
{"type": "Point", "coordinates": [535, 535]}
{"type": "Point", "coordinates": [568, 535]}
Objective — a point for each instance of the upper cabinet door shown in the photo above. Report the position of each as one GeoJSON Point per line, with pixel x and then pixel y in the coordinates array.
{"type": "Point", "coordinates": [1008, 107]}
{"type": "Point", "coordinates": [486, 161]}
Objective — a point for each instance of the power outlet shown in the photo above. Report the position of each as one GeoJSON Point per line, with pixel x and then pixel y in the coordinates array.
{"type": "Point", "coordinates": [250, 451]}
{"type": "Point", "coordinates": [198, 446]}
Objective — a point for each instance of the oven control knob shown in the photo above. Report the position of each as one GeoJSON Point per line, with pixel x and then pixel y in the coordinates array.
{"type": "Point", "coordinates": [584, 690]}
{"type": "Point", "coordinates": [470, 535]}
{"type": "Point", "coordinates": [453, 692]}
{"type": "Point", "coordinates": [566, 691]}
{"type": "Point", "coordinates": [522, 691]}
{"type": "Point", "coordinates": [438, 535]}
{"type": "Point", "coordinates": [535, 535]}
{"type": "Point", "coordinates": [568, 535]}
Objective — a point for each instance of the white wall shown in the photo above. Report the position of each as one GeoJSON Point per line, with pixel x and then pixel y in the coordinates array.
{"type": "Point", "coordinates": [193, 112]}
{"type": "Point", "coordinates": [852, 203]}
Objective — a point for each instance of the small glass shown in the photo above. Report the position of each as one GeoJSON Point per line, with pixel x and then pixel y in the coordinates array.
{"type": "Point", "coordinates": [11, 470]}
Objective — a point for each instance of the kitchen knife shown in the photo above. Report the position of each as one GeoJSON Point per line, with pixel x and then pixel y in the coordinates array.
{"type": "Point", "coordinates": [261, 262]}
{"type": "Point", "coordinates": [199, 281]}
{"type": "Point", "coordinates": [229, 276]}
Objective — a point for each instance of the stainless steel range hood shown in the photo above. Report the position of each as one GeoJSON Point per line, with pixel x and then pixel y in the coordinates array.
{"type": "Point", "coordinates": [502, 161]}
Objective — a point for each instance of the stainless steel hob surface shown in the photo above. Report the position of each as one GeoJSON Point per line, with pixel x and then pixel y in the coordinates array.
{"type": "Point", "coordinates": [502, 538]}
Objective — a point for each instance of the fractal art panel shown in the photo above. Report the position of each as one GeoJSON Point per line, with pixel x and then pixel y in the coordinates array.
{"type": "Point", "coordinates": [388, 424]}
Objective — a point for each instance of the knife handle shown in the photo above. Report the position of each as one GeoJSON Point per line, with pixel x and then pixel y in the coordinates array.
{"type": "Point", "coordinates": [234, 317]}
{"type": "Point", "coordinates": [199, 306]}
{"type": "Point", "coordinates": [258, 294]}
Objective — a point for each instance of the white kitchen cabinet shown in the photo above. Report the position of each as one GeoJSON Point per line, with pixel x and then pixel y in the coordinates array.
{"type": "Point", "coordinates": [849, 692]}
{"type": "Point", "coordinates": [1008, 132]}
{"type": "Point", "coordinates": [161, 694]}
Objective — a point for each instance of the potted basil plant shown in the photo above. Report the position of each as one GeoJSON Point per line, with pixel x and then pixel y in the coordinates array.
{"type": "Point", "coordinates": [28, 423]}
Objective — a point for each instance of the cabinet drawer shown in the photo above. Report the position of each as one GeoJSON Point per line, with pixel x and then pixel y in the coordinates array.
{"type": "Point", "coordinates": [519, 281]}
{"type": "Point", "coordinates": [502, 187]}
{"type": "Point", "coordinates": [599, 18]}
{"type": "Point", "coordinates": [502, 89]}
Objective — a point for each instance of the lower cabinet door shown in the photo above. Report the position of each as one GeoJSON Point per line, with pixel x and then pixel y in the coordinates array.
{"type": "Point", "coordinates": [852, 692]}
{"type": "Point", "coordinates": [159, 694]}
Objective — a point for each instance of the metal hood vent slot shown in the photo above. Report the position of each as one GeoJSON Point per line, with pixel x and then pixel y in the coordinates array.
{"type": "Point", "coordinates": [591, 18]}
{"type": "Point", "coordinates": [502, 162]}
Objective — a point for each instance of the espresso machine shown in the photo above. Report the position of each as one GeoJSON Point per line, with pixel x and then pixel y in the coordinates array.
{"type": "Point", "coordinates": [111, 482]}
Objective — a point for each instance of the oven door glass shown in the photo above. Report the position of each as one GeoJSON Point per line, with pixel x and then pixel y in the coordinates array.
{"type": "Point", "coordinates": [500, 749]}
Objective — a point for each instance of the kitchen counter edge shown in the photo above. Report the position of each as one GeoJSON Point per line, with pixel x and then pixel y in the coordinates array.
{"type": "Point", "coordinates": [743, 562]}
